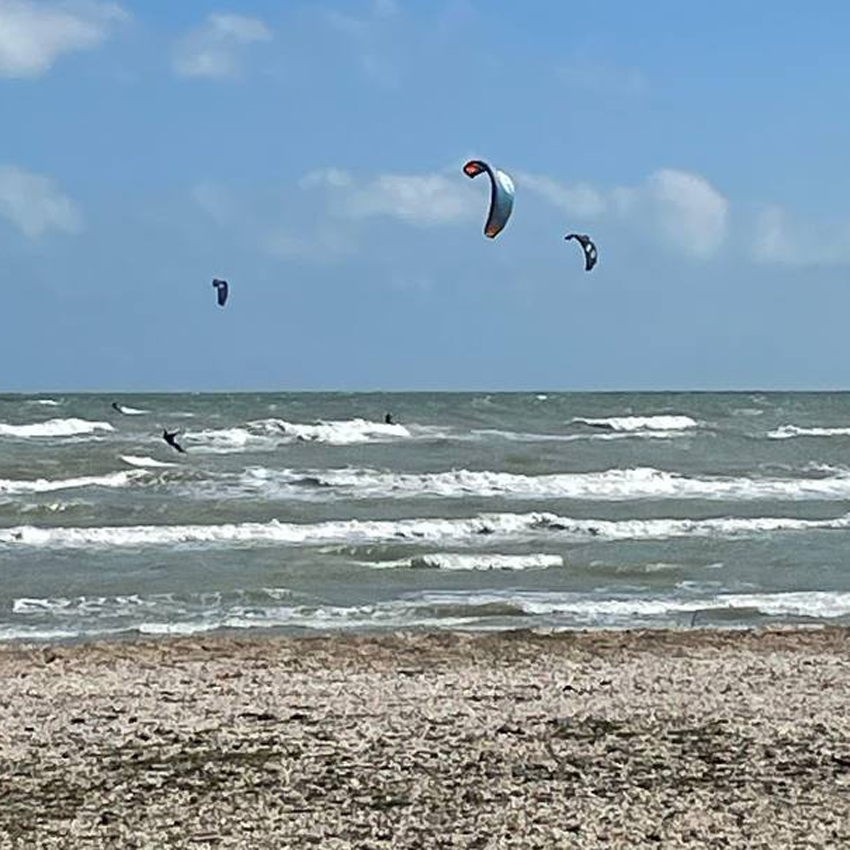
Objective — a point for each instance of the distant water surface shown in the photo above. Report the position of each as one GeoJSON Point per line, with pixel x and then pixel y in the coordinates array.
{"type": "Point", "coordinates": [304, 512]}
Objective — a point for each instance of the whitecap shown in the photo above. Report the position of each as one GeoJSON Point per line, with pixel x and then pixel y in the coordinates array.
{"type": "Point", "coordinates": [44, 485]}
{"type": "Point", "coordinates": [608, 485]}
{"type": "Point", "coordinates": [342, 432]}
{"type": "Point", "coordinates": [479, 561]}
{"type": "Point", "coordinates": [143, 461]}
{"type": "Point", "coordinates": [54, 428]}
{"type": "Point", "coordinates": [461, 531]}
{"type": "Point", "coordinates": [785, 432]}
{"type": "Point", "coordinates": [663, 422]}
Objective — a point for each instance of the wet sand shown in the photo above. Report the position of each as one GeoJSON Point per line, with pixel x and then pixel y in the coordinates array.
{"type": "Point", "coordinates": [607, 739]}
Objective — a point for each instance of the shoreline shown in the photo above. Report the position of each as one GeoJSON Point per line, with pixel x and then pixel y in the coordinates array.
{"type": "Point", "coordinates": [632, 738]}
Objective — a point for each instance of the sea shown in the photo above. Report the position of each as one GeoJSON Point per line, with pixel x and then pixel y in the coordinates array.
{"type": "Point", "coordinates": [308, 513]}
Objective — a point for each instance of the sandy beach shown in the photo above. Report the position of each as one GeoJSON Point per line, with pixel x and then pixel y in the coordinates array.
{"type": "Point", "coordinates": [514, 740]}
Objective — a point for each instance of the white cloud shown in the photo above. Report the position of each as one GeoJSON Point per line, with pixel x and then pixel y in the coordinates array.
{"type": "Point", "coordinates": [424, 199]}
{"type": "Point", "coordinates": [579, 199]}
{"type": "Point", "coordinates": [772, 244]}
{"type": "Point", "coordinates": [215, 49]}
{"type": "Point", "coordinates": [689, 210]}
{"type": "Point", "coordinates": [214, 200]}
{"type": "Point", "coordinates": [681, 209]}
{"type": "Point", "coordinates": [33, 35]}
{"type": "Point", "coordinates": [782, 241]}
{"type": "Point", "coordinates": [362, 26]}
{"type": "Point", "coordinates": [301, 231]}
{"type": "Point", "coordinates": [419, 199]}
{"type": "Point", "coordinates": [333, 177]}
{"type": "Point", "coordinates": [34, 205]}
{"type": "Point", "coordinates": [376, 56]}
{"type": "Point", "coordinates": [384, 8]}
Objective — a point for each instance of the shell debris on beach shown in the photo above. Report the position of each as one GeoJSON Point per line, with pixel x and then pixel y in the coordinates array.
{"type": "Point", "coordinates": [586, 740]}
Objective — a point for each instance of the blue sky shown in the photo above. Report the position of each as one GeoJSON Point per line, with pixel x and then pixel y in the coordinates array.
{"type": "Point", "coordinates": [311, 152]}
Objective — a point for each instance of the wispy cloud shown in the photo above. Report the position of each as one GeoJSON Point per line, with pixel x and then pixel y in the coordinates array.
{"type": "Point", "coordinates": [303, 231]}
{"type": "Point", "coordinates": [34, 205]}
{"type": "Point", "coordinates": [677, 210]}
{"type": "Point", "coordinates": [216, 48]}
{"type": "Point", "coordinates": [783, 241]}
{"type": "Point", "coordinates": [419, 199]}
{"type": "Point", "coordinates": [579, 199]}
{"type": "Point", "coordinates": [367, 32]}
{"type": "Point", "coordinates": [681, 209]}
{"type": "Point", "coordinates": [361, 25]}
{"type": "Point", "coordinates": [34, 35]}
{"type": "Point", "coordinates": [688, 210]}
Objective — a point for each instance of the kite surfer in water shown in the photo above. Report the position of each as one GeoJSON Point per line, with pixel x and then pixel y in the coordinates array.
{"type": "Point", "coordinates": [170, 438]}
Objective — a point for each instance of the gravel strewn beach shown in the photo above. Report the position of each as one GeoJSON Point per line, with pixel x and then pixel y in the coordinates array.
{"type": "Point", "coordinates": [512, 740]}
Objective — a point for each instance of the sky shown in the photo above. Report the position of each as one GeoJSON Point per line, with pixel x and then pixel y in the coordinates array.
{"type": "Point", "coordinates": [311, 153]}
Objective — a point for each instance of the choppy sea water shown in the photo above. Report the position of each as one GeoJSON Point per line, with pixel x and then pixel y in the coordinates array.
{"type": "Point", "coordinates": [305, 512]}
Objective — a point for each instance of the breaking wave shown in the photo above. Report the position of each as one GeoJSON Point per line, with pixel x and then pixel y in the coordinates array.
{"type": "Point", "coordinates": [43, 485]}
{"type": "Point", "coordinates": [461, 531]}
{"type": "Point", "coordinates": [477, 561]}
{"type": "Point", "coordinates": [267, 434]}
{"type": "Point", "coordinates": [609, 485]}
{"type": "Point", "coordinates": [343, 432]}
{"type": "Point", "coordinates": [65, 617]}
{"type": "Point", "coordinates": [785, 432]}
{"type": "Point", "coordinates": [54, 428]}
{"type": "Point", "coordinates": [145, 462]}
{"type": "Point", "coordinates": [640, 423]}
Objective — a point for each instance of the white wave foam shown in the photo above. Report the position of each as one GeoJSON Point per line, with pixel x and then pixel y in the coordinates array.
{"type": "Point", "coordinates": [785, 432]}
{"type": "Point", "coordinates": [122, 605]}
{"type": "Point", "coordinates": [460, 531]}
{"type": "Point", "coordinates": [342, 432]}
{"type": "Point", "coordinates": [224, 440]}
{"type": "Point", "coordinates": [531, 437]}
{"type": "Point", "coordinates": [43, 485]}
{"type": "Point", "coordinates": [160, 615]}
{"type": "Point", "coordinates": [610, 485]}
{"type": "Point", "coordinates": [593, 610]}
{"type": "Point", "coordinates": [52, 618]}
{"type": "Point", "coordinates": [479, 561]}
{"type": "Point", "coordinates": [142, 461]}
{"type": "Point", "coordinates": [268, 434]}
{"type": "Point", "coordinates": [812, 603]}
{"type": "Point", "coordinates": [131, 411]}
{"type": "Point", "coordinates": [49, 507]}
{"type": "Point", "coordinates": [177, 629]}
{"type": "Point", "coordinates": [54, 428]}
{"type": "Point", "coordinates": [26, 633]}
{"type": "Point", "coordinates": [641, 423]}
{"type": "Point", "coordinates": [46, 402]}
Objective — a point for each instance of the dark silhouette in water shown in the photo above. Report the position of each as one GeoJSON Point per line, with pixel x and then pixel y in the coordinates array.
{"type": "Point", "coordinates": [388, 418]}
{"type": "Point", "coordinates": [116, 406]}
{"type": "Point", "coordinates": [169, 437]}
